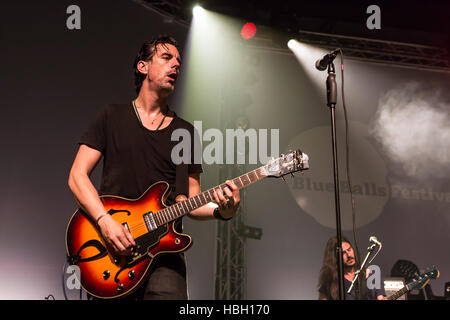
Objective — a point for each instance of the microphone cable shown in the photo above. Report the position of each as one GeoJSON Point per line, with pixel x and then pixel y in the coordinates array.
{"type": "Point", "coordinates": [347, 154]}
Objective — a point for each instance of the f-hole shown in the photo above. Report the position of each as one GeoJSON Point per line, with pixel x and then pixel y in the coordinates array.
{"type": "Point", "coordinates": [112, 211]}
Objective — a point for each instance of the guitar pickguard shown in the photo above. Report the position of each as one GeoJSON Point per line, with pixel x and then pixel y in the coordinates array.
{"type": "Point", "coordinates": [146, 242]}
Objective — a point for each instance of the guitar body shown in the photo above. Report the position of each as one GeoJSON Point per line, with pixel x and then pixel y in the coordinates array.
{"type": "Point", "coordinates": [152, 225]}
{"type": "Point", "coordinates": [105, 275]}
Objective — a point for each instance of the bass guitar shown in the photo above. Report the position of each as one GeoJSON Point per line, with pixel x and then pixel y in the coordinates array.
{"type": "Point", "coordinates": [417, 283]}
{"type": "Point", "coordinates": [152, 225]}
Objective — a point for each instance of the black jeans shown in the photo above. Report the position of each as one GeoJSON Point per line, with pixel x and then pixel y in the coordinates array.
{"type": "Point", "coordinates": [166, 281]}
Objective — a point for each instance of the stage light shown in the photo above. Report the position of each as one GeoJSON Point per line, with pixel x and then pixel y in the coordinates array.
{"type": "Point", "coordinates": [198, 11]}
{"type": "Point", "coordinates": [248, 30]}
{"type": "Point", "coordinates": [291, 43]}
{"type": "Point", "coordinates": [307, 56]}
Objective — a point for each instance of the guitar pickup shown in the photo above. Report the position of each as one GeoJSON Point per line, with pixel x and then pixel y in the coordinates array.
{"type": "Point", "coordinates": [150, 221]}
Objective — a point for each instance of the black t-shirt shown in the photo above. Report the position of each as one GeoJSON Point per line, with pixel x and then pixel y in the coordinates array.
{"type": "Point", "coordinates": [371, 294]}
{"type": "Point", "coordinates": [135, 157]}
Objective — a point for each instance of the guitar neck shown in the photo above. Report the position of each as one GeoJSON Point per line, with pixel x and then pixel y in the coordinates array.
{"type": "Point", "coordinates": [418, 283]}
{"type": "Point", "coordinates": [182, 208]}
{"type": "Point", "coordinates": [399, 293]}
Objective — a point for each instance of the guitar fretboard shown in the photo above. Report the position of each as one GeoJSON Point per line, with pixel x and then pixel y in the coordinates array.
{"type": "Point", "coordinates": [184, 207]}
{"type": "Point", "coordinates": [399, 293]}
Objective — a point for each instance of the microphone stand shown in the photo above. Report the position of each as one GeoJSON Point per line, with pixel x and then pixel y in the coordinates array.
{"type": "Point", "coordinates": [369, 251]}
{"type": "Point", "coordinates": [331, 102]}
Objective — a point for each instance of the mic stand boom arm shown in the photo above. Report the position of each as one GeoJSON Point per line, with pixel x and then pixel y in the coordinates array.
{"type": "Point", "coordinates": [363, 265]}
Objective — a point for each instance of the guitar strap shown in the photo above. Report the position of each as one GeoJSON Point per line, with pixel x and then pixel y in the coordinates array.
{"type": "Point", "coordinates": [181, 180]}
{"type": "Point", "coordinates": [181, 188]}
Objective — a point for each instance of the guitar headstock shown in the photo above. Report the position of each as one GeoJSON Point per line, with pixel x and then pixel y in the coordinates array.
{"type": "Point", "coordinates": [421, 280]}
{"type": "Point", "coordinates": [288, 163]}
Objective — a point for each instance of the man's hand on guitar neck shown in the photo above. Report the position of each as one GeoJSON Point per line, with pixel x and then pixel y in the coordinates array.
{"type": "Point", "coordinates": [116, 236]}
{"type": "Point", "coordinates": [228, 202]}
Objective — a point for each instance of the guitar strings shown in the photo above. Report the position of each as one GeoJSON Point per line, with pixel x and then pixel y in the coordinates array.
{"type": "Point", "coordinates": [166, 215]}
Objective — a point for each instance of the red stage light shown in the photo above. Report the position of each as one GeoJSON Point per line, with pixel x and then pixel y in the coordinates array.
{"type": "Point", "coordinates": [248, 30]}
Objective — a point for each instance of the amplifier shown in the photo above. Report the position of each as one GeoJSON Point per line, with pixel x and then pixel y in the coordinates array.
{"type": "Point", "coordinates": [392, 285]}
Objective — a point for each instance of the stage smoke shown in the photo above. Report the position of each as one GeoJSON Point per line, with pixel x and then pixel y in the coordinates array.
{"type": "Point", "coordinates": [413, 125]}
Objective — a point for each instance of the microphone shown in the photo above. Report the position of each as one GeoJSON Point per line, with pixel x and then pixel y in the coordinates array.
{"type": "Point", "coordinates": [374, 239]}
{"type": "Point", "coordinates": [323, 63]}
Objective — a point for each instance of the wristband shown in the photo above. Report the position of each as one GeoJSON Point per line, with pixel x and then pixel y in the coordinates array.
{"type": "Point", "coordinates": [101, 216]}
{"type": "Point", "coordinates": [218, 216]}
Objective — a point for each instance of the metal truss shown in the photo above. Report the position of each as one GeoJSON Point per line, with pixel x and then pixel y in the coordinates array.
{"type": "Point", "coordinates": [231, 280]}
{"type": "Point", "coordinates": [378, 51]}
{"type": "Point", "coordinates": [231, 263]}
{"type": "Point", "coordinates": [390, 52]}
{"type": "Point", "coordinates": [172, 10]}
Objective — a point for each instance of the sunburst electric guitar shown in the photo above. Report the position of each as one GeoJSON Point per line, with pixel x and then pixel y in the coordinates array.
{"type": "Point", "coordinates": [151, 223]}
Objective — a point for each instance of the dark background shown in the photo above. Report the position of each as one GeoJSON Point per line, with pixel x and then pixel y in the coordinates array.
{"type": "Point", "coordinates": [54, 80]}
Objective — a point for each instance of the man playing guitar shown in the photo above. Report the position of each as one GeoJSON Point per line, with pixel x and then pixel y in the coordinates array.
{"type": "Point", "coordinates": [134, 141]}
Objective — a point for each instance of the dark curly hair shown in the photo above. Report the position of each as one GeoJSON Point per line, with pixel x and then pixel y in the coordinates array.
{"type": "Point", "coordinates": [146, 53]}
